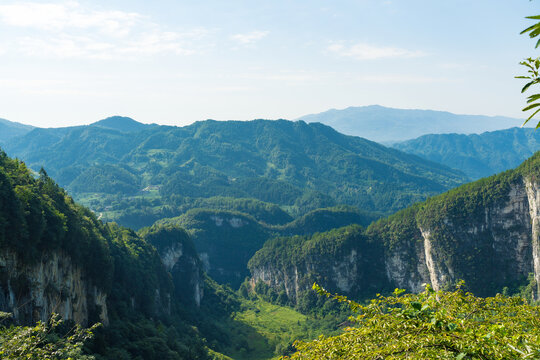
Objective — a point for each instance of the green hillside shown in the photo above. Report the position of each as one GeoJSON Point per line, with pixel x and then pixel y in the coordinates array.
{"type": "Point", "coordinates": [297, 166]}
{"type": "Point", "coordinates": [225, 240]}
{"type": "Point", "coordinates": [151, 312]}
{"type": "Point", "coordinates": [10, 129]}
{"type": "Point", "coordinates": [482, 232]}
{"type": "Point", "coordinates": [476, 155]}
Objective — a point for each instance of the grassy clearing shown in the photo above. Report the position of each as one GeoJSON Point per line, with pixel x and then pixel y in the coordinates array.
{"type": "Point", "coordinates": [264, 331]}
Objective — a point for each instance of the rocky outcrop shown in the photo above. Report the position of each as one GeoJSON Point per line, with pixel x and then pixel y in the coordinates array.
{"type": "Point", "coordinates": [180, 259]}
{"type": "Point", "coordinates": [342, 275]}
{"type": "Point", "coordinates": [186, 272]}
{"type": "Point", "coordinates": [52, 284]}
{"type": "Point", "coordinates": [487, 234]}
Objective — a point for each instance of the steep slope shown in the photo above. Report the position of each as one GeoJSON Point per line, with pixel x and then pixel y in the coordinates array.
{"type": "Point", "coordinates": [55, 256]}
{"type": "Point", "coordinates": [10, 129]}
{"type": "Point", "coordinates": [476, 155]}
{"type": "Point", "coordinates": [295, 165]}
{"type": "Point", "coordinates": [225, 240]}
{"type": "Point", "coordinates": [50, 251]}
{"type": "Point", "coordinates": [387, 125]}
{"type": "Point", "coordinates": [486, 233]}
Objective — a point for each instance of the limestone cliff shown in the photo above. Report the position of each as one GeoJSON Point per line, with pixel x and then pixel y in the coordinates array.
{"type": "Point", "coordinates": [225, 241]}
{"type": "Point", "coordinates": [33, 291]}
{"type": "Point", "coordinates": [180, 259]}
{"type": "Point", "coordinates": [486, 233]}
{"type": "Point", "coordinates": [341, 260]}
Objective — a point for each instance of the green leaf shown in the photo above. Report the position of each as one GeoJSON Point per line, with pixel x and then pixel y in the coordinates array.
{"type": "Point", "coordinates": [461, 356]}
{"type": "Point", "coordinates": [527, 86]}
{"type": "Point", "coordinates": [532, 106]}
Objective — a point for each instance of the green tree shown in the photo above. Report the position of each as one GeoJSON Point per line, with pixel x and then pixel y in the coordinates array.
{"type": "Point", "coordinates": [432, 325]}
{"type": "Point", "coordinates": [533, 70]}
{"type": "Point", "coordinates": [43, 341]}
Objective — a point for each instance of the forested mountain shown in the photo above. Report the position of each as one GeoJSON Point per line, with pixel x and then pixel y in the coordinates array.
{"type": "Point", "coordinates": [225, 240]}
{"type": "Point", "coordinates": [55, 256]}
{"type": "Point", "coordinates": [122, 124]}
{"type": "Point", "coordinates": [478, 155]}
{"type": "Point", "coordinates": [483, 232]}
{"type": "Point", "coordinates": [147, 289]}
{"type": "Point", "coordinates": [9, 129]}
{"type": "Point", "coordinates": [388, 125]}
{"type": "Point", "coordinates": [298, 166]}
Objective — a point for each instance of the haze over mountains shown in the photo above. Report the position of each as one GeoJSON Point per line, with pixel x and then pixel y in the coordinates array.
{"type": "Point", "coordinates": [258, 206]}
{"type": "Point", "coordinates": [10, 129]}
{"type": "Point", "coordinates": [388, 125]}
{"type": "Point", "coordinates": [295, 165]}
{"type": "Point", "coordinates": [376, 123]}
{"type": "Point", "coordinates": [478, 155]}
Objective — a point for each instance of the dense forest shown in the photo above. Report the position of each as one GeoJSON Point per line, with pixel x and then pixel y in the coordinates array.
{"type": "Point", "coordinates": [136, 174]}
{"type": "Point", "coordinates": [477, 155]}
{"type": "Point", "coordinates": [159, 302]}
{"type": "Point", "coordinates": [221, 263]}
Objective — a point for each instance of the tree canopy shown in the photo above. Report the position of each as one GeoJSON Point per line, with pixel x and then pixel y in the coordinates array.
{"type": "Point", "coordinates": [432, 325]}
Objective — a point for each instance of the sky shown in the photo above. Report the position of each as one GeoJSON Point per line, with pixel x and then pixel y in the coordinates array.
{"type": "Point", "coordinates": [175, 62]}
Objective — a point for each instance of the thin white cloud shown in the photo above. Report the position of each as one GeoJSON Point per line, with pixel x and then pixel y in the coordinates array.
{"type": "Point", "coordinates": [69, 30]}
{"type": "Point", "coordinates": [68, 15]}
{"type": "Point", "coordinates": [250, 38]}
{"type": "Point", "coordinates": [404, 79]}
{"type": "Point", "coordinates": [362, 51]}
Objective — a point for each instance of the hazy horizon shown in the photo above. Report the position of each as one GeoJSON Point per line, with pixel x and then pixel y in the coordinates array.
{"type": "Point", "coordinates": [175, 62]}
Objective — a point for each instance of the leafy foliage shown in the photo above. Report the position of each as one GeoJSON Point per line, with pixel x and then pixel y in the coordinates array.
{"type": "Point", "coordinates": [37, 216]}
{"type": "Point", "coordinates": [44, 341]}
{"type": "Point", "coordinates": [432, 325]}
{"type": "Point", "coordinates": [533, 69]}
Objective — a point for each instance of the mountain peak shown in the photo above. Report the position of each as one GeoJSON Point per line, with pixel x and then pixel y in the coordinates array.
{"type": "Point", "coordinates": [121, 123]}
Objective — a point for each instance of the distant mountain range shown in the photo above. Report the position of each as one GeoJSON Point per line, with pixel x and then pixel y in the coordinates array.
{"type": "Point", "coordinates": [295, 165]}
{"type": "Point", "coordinates": [10, 129]}
{"type": "Point", "coordinates": [122, 124]}
{"type": "Point", "coordinates": [387, 125]}
{"type": "Point", "coordinates": [476, 155]}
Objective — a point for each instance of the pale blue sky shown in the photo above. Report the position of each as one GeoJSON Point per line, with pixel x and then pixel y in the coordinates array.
{"type": "Point", "coordinates": [175, 62]}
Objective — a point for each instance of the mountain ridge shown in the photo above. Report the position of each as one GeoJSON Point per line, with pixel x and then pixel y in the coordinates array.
{"type": "Point", "coordinates": [388, 125]}
{"type": "Point", "coordinates": [296, 165]}
{"type": "Point", "coordinates": [478, 155]}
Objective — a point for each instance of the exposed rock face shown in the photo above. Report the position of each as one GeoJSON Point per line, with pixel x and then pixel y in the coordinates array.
{"type": "Point", "coordinates": [225, 241]}
{"type": "Point", "coordinates": [53, 284]}
{"type": "Point", "coordinates": [493, 250]}
{"type": "Point", "coordinates": [490, 246]}
{"type": "Point", "coordinates": [343, 274]}
{"type": "Point", "coordinates": [185, 269]}
{"type": "Point", "coordinates": [534, 200]}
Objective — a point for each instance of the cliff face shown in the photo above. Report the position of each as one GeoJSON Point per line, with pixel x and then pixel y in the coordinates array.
{"type": "Point", "coordinates": [340, 273]}
{"type": "Point", "coordinates": [225, 241]}
{"type": "Point", "coordinates": [186, 271]}
{"type": "Point", "coordinates": [53, 284]}
{"type": "Point", "coordinates": [342, 260]}
{"type": "Point", "coordinates": [180, 260]}
{"type": "Point", "coordinates": [490, 247]}
{"type": "Point", "coordinates": [486, 233]}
